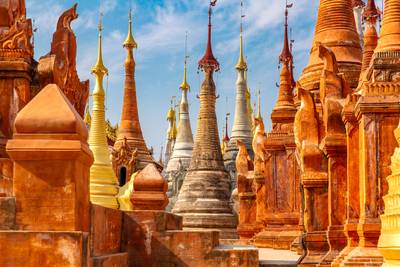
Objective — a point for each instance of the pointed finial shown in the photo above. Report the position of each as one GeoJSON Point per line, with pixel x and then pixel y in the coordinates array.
{"type": "Point", "coordinates": [208, 60]}
{"type": "Point", "coordinates": [130, 41]}
{"type": "Point", "coordinates": [88, 117]}
{"type": "Point", "coordinates": [371, 12]}
{"type": "Point", "coordinates": [241, 64]}
{"type": "Point", "coordinates": [259, 105]}
{"type": "Point", "coordinates": [286, 55]}
{"type": "Point", "coordinates": [184, 85]}
{"type": "Point", "coordinates": [99, 68]}
{"type": "Point", "coordinates": [226, 138]}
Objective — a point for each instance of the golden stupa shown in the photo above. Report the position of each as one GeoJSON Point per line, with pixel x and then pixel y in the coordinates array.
{"type": "Point", "coordinates": [103, 182]}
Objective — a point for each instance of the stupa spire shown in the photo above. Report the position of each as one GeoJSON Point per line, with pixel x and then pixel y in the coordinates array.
{"type": "Point", "coordinates": [335, 29]}
{"type": "Point", "coordinates": [184, 85]}
{"type": "Point", "coordinates": [371, 15]}
{"type": "Point", "coordinates": [203, 200]}
{"type": "Point", "coordinates": [103, 182]}
{"type": "Point", "coordinates": [371, 12]}
{"type": "Point", "coordinates": [99, 70]}
{"type": "Point", "coordinates": [258, 116]}
{"type": "Point", "coordinates": [130, 128]}
{"type": "Point", "coordinates": [389, 39]}
{"type": "Point", "coordinates": [130, 41]}
{"type": "Point", "coordinates": [285, 98]}
{"type": "Point", "coordinates": [208, 60]}
{"type": "Point", "coordinates": [182, 152]}
{"type": "Point", "coordinates": [286, 55]}
{"type": "Point", "coordinates": [241, 64]}
{"type": "Point", "coordinates": [241, 128]}
{"type": "Point", "coordinates": [172, 131]}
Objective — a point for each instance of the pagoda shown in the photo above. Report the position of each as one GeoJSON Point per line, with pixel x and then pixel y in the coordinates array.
{"type": "Point", "coordinates": [241, 129]}
{"type": "Point", "coordinates": [370, 17]}
{"type": "Point", "coordinates": [335, 29]}
{"type": "Point", "coordinates": [203, 200]}
{"type": "Point", "coordinates": [129, 128]}
{"type": "Point", "coordinates": [103, 182]}
{"type": "Point", "coordinates": [281, 205]}
{"type": "Point", "coordinates": [320, 133]}
{"type": "Point", "coordinates": [182, 152]}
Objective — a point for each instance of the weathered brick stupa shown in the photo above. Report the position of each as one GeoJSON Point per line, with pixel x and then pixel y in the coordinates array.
{"type": "Point", "coordinates": [129, 128]}
{"type": "Point", "coordinates": [370, 16]}
{"type": "Point", "coordinates": [320, 135]}
{"type": "Point", "coordinates": [336, 30]}
{"type": "Point", "coordinates": [241, 129]}
{"type": "Point", "coordinates": [203, 200]}
{"type": "Point", "coordinates": [103, 181]}
{"type": "Point", "coordinates": [183, 148]}
{"type": "Point", "coordinates": [377, 111]}
{"type": "Point", "coordinates": [282, 174]}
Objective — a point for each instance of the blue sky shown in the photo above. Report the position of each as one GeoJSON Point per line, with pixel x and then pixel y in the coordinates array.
{"type": "Point", "coordinates": [159, 29]}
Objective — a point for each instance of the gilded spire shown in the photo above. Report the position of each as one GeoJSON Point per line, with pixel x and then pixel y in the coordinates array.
{"type": "Point", "coordinates": [103, 182]}
{"type": "Point", "coordinates": [171, 118]}
{"type": "Point", "coordinates": [184, 85]}
{"type": "Point", "coordinates": [99, 69]}
{"type": "Point", "coordinates": [130, 41]}
{"type": "Point", "coordinates": [208, 59]}
{"type": "Point", "coordinates": [88, 117]}
{"type": "Point", "coordinates": [241, 64]}
{"type": "Point", "coordinates": [183, 146]}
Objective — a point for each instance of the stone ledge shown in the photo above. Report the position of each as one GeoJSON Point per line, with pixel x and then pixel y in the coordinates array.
{"type": "Point", "coordinates": [112, 260]}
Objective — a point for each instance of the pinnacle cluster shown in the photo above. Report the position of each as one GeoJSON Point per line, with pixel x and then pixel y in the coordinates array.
{"type": "Point", "coordinates": [320, 188]}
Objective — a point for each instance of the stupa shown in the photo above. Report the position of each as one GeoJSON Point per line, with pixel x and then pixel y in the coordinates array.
{"type": "Point", "coordinates": [103, 182]}
{"type": "Point", "coordinates": [129, 128]}
{"type": "Point", "coordinates": [203, 200]}
{"type": "Point", "coordinates": [241, 129]}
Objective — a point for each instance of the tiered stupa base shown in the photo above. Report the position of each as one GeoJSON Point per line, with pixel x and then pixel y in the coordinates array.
{"type": "Point", "coordinates": [204, 203]}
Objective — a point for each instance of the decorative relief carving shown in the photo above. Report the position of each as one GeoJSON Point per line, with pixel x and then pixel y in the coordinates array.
{"type": "Point", "coordinates": [59, 66]}
{"type": "Point", "coordinates": [124, 156]}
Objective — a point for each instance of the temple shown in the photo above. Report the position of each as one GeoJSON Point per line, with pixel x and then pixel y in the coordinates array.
{"type": "Point", "coordinates": [317, 184]}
